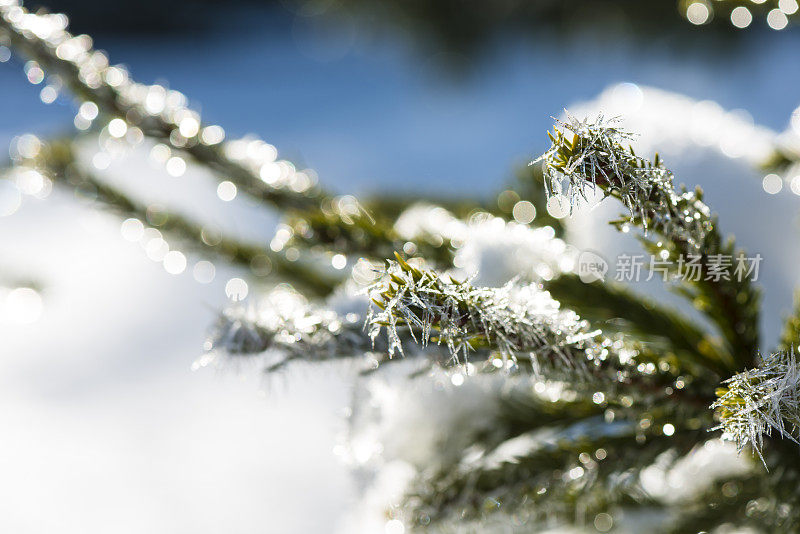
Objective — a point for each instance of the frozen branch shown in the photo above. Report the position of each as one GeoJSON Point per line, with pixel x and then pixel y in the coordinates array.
{"type": "Point", "coordinates": [586, 155]}
{"type": "Point", "coordinates": [159, 113]}
{"type": "Point", "coordinates": [759, 401]}
{"type": "Point", "coordinates": [516, 321]}
{"type": "Point", "coordinates": [316, 218]}
{"type": "Point", "coordinates": [286, 324]}
{"type": "Point", "coordinates": [55, 161]}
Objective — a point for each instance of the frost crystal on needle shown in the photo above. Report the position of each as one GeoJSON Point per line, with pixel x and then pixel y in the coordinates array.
{"type": "Point", "coordinates": [286, 323]}
{"type": "Point", "coordinates": [585, 155]}
{"type": "Point", "coordinates": [517, 321]}
{"type": "Point", "coordinates": [757, 402]}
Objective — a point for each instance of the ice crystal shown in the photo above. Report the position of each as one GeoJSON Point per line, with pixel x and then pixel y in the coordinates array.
{"type": "Point", "coordinates": [756, 402]}
{"type": "Point", "coordinates": [284, 326]}
{"type": "Point", "coordinates": [516, 320]}
{"type": "Point", "coordinates": [288, 324]}
{"type": "Point", "coordinates": [586, 155]}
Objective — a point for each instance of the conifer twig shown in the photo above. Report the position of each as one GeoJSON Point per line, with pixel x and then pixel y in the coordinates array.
{"type": "Point", "coordinates": [56, 160]}
{"type": "Point", "coordinates": [159, 113]}
{"type": "Point", "coordinates": [519, 326]}
{"type": "Point", "coordinates": [588, 467]}
{"type": "Point", "coordinates": [754, 403]}
{"type": "Point", "coordinates": [315, 217]}
{"type": "Point", "coordinates": [289, 327]}
{"type": "Point", "coordinates": [619, 309]}
{"type": "Point", "coordinates": [586, 154]}
{"type": "Point", "coordinates": [516, 321]}
{"type": "Point", "coordinates": [287, 324]}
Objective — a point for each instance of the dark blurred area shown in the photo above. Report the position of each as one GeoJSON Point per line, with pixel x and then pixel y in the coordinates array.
{"type": "Point", "coordinates": [462, 29]}
{"type": "Point", "coordinates": [142, 17]}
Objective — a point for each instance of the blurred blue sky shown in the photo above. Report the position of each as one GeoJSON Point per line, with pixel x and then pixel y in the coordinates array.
{"type": "Point", "coordinates": [369, 113]}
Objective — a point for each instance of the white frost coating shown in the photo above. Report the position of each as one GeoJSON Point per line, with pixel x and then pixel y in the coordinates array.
{"type": "Point", "coordinates": [426, 221]}
{"type": "Point", "coordinates": [517, 320]}
{"type": "Point", "coordinates": [488, 248]}
{"type": "Point", "coordinates": [496, 251]}
{"type": "Point", "coordinates": [688, 477]}
{"type": "Point", "coordinates": [399, 427]}
{"type": "Point", "coordinates": [285, 326]}
{"type": "Point", "coordinates": [283, 317]}
{"type": "Point", "coordinates": [671, 122]}
{"type": "Point", "coordinates": [444, 418]}
{"type": "Point", "coordinates": [759, 401]}
{"type": "Point", "coordinates": [589, 153]}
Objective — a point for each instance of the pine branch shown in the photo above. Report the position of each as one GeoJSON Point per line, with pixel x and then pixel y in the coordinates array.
{"type": "Point", "coordinates": [764, 500]}
{"type": "Point", "coordinates": [392, 205]}
{"type": "Point", "coordinates": [290, 328]}
{"type": "Point", "coordinates": [286, 327]}
{"type": "Point", "coordinates": [316, 219]}
{"type": "Point", "coordinates": [525, 410]}
{"type": "Point", "coordinates": [790, 337]}
{"type": "Point", "coordinates": [564, 475]}
{"type": "Point", "coordinates": [57, 161]}
{"type": "Point", "coordinates": [726, 503]}
{"type": "Point", "coordinates": [520, 323]}
{"type": "Point", "coordinates": [779, 501]}
{"type": "Point", "coordinates": [158, 113]}
{"type": "Point", "coordinates": [566, 461]}
{"type": "Point", "coordinates": [756, 402]}
{"type": "Point", "coordinates": [663, 330]}
{"type": "Point", "coordinates": [562, 460]}
{"type": "Point", "coordinates": [314, 215]}
{"type": "Point", "coordinates": [585, 155]}
{"type": "Point", "coordinates": [343, 225]}
{"type": "Point", "coordinates": [555, 404]}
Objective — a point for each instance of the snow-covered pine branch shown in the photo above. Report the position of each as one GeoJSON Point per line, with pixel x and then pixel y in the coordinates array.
{"type": "Point", "coordinates": [757, 402]}
{"type": "Point", "coordinates": [284, 326]}
{"type": "Point", "coordinates": [107, 92]}
{"type": "Point", "coordinates": [517, 322]}
{"type": "Point", "coordinates": [289, 327]}
{"type": "Point", "coordinates": [126, 111]}
{"type": "Point", "coordinates": [588, 155]}
{"type": "Point", "coordinates": [44, 164]}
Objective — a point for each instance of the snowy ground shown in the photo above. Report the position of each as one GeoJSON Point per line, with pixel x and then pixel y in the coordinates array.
{"type": "Point", "coordinates": [106, 427]}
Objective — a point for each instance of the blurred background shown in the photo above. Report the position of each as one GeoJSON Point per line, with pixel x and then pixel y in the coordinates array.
{"type": "Point", "coordinates": [106, 426]}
